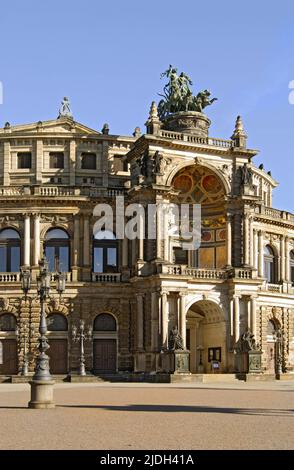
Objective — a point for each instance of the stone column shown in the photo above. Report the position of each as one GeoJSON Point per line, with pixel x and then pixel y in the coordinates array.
{"type": "Point", "coordinates": [6, 164]}
{"type": "Point", "coordinates": [260, 253]}
{"type": "Point", "coordinates": [231, 316]}
{"type": "Point", "coordinates": [86, 241]}
{"type": "Point", "coordinates": [166, 237]}
{"type": "Point", "coordinates": [282, 258]}
{"type": "Point", "coordinates": [154, 321]}
{"type": "Point", "coordinates": [72, 163]}
{"type": "Point", "coordinates": [125, 255]}
{"type": "Point", "coordinates": [229, 240]}
{"type": "Point", "coordinates": [253, 316]}
{"type": "Point", "coordinates": [287, 261]}
{"type": "Point", "coordinates": [236, 317]}
{"type": "Point", "coordinates": [27, 240]}
{"type": "Point", "coordinates": [76, 241]}
{"type": "Point", "coordinates": [251, 243]}
{"type": "Point", "coordinates": [182, 329]}
{"type": "Point", "coordinates": [36, 239]}
{"type": "Point", "coordinates": [255, 247]}
{"type": "Point", "coordinates": [140, 322]}
{"type": "Point", "coordinates": [164, 320]}
{"type": "Point", "coordinates": [39, 161]}
{"type": "Point", "coordinates": [246, 240]}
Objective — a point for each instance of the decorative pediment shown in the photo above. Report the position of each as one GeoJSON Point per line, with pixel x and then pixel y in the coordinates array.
{"type": "Point", "coordinates": [61, 125]}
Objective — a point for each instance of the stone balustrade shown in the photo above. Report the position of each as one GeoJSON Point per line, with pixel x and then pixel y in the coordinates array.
{"type": "Point", "coordinates": [196, 139]}
{"type": "Point", "coordinates": [196, 273]}
{"type": "Point", "coordinates": [60, 191]}
{"type": "Point", "coordinates": [9, 277]}
{"type": "Point", "coordinates": [106, 277]}
{"type": "Point", "coordinates": [68, 276]}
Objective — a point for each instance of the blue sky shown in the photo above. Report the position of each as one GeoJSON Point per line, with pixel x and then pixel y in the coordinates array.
{"type": "Point", "coordinates": [107, 56]}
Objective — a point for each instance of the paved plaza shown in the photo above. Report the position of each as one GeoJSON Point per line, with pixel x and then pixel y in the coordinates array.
{"type": "Point", "coordinates": [145, 416]}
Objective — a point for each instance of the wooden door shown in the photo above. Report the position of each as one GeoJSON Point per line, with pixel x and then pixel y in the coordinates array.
{"type": "Point", "coordinates": [8, 357]}
{"type": "Point", "coordinates": [58, 356]}
{"type": "Point", "coordinates": [104, 355]}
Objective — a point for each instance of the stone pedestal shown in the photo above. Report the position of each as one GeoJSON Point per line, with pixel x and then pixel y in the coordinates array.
{"type": "Point", "coordinates": [41, 394]}
{"type": "Point", "coordinates": [181, 362]}
{"type": "Point", "coordinates": [188, 122]}
{"type": "Point", "coordinates": [254, 362]}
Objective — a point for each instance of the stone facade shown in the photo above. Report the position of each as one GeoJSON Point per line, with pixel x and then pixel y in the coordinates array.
{"type": "Point", "coordinates": [213, 295]}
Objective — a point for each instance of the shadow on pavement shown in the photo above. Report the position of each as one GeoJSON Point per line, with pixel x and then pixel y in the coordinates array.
{"type": "Point", "coordinates": [187, 409]}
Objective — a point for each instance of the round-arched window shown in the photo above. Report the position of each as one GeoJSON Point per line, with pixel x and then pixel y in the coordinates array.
{"type": "Point", "coordinates": [104, 322]}
{"type": "Point", "coordinates": [9, 251]}
{"type": "Point", "coordinates": [269, 264]}
{"type": "Point", "coordinates": [105, 257]}
{"type": "Point", "coordinates": [57, 322]}
{"type": "Point", "coordinates": [57, 250]}
{"type": "Point", "coordinates": [7, 322]}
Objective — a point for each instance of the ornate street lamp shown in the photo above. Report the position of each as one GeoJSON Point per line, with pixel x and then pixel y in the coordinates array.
{"type": "Point", "coordinates": [80, 337]}
{"type": "Point", "coordinates": [42, 383]}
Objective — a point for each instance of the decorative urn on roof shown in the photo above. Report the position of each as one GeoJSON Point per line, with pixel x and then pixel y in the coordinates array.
{"type": "Point", "coordinates": [179, 110]}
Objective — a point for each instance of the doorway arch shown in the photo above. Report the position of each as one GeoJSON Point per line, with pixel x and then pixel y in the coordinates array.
{"type": "Point", "coordinates": [105, 344]}
{"type": "Point", "coordinates": [8, 344]}
{"type": "Point", "coordinates": [206, 336]}
{"type": "Point", "coordinates": [57, 326]}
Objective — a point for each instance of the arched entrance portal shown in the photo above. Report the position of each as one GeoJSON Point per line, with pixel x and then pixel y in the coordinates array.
{"type": "Point", "coordinates": [58, 342]}
{"type": "Point", "coordinates": [274, 348]}
{"type": "Point", "coordinates": [8, 345]}
{"type": "Point", "coordinates": [105, 344]}
{"type": "Point", "coordinates": [206, 337]}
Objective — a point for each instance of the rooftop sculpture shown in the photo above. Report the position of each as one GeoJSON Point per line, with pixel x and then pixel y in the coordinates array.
{"type": "Point", "coordinates": [178, 95]}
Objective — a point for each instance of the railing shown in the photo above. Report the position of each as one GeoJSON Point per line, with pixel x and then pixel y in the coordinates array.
{"type": "Point", "coordinates": [242, 273]}
{"type": "Point", "coordinates": [9, 277]}
{"type": "Point", "coordinates": [106, 277]}
{"type": "Point", "coordinates": [196, 273]}
{"type": "Point", "coordinates": [11, 191]}
{"type": "Point", "coordinates": [68, 276]}
{"type": "Point", "coordinates": [196, 139]}
{"type": "Point", "coordinates": [274, 213]}
{"type": "Point", "coordinates": [60, 191]}
{"type": "Point", "coordinates": [277, 288]}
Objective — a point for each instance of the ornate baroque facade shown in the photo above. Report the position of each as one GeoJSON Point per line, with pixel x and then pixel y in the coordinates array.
{"type": "Point", "coordinates": [53, 174]}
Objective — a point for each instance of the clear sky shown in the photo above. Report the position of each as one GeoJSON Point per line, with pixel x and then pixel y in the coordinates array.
{"type": "Point", "coordinates": [107, 56]}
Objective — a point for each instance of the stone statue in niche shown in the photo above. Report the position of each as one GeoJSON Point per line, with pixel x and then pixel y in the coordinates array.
{"type": "Point", "coordinates": [246, 175]}
{"type": "Point", "coordinates": [175, 340]}
{"type": "Point", "coordinates": [160, 163]}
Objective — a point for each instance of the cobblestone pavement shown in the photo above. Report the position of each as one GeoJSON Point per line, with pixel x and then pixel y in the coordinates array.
{"type": "Point", "coordinates": [145, 416]}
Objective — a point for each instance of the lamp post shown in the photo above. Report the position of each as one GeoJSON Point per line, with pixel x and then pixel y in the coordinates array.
{"type": "Point", "coordinates": [80, 337]}
{"type": "Point", "coordinates": [42, 382]}
{"type": "Point", "coordinates": [200, 364]}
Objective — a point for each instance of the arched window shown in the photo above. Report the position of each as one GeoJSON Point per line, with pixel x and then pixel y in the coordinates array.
{"type": "Point", "coordinates": [105, 252]}
{"type": "Point", "coordinates": [57, 322]}
{"type": "Point", "coordinates": [9, 251]}
{"type": "Point", "coordinates": [269, 264]}
{"type": "Point", "coordinates": [292, 266]}
{"type": "Point", "coordinates": [7, 322]}
{"type": "Point", "coordinates": [57, 250]}
{"type": "Point", "coordinates": [104, 322]}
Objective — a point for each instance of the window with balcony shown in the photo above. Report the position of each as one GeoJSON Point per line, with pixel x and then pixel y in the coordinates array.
{"type": "Point", "coordinates": [24, 160]}
{"type": "Point", "coordinates": [9, 251]}
{"type": "Point", "coordinates": [120, 163]}
{"type": "Point", "coordinates": [88, 161]}
{"type": "Point", "coordinates": [56, 160]}
{"type": "Point", "coordinates": [105, 253]}
{"type": "Point", "coordinates": [269, 264]}
{"type": "Point", "coordinates": [57, 247]}
{"type": "Point", "coordinates": [180, 256]}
